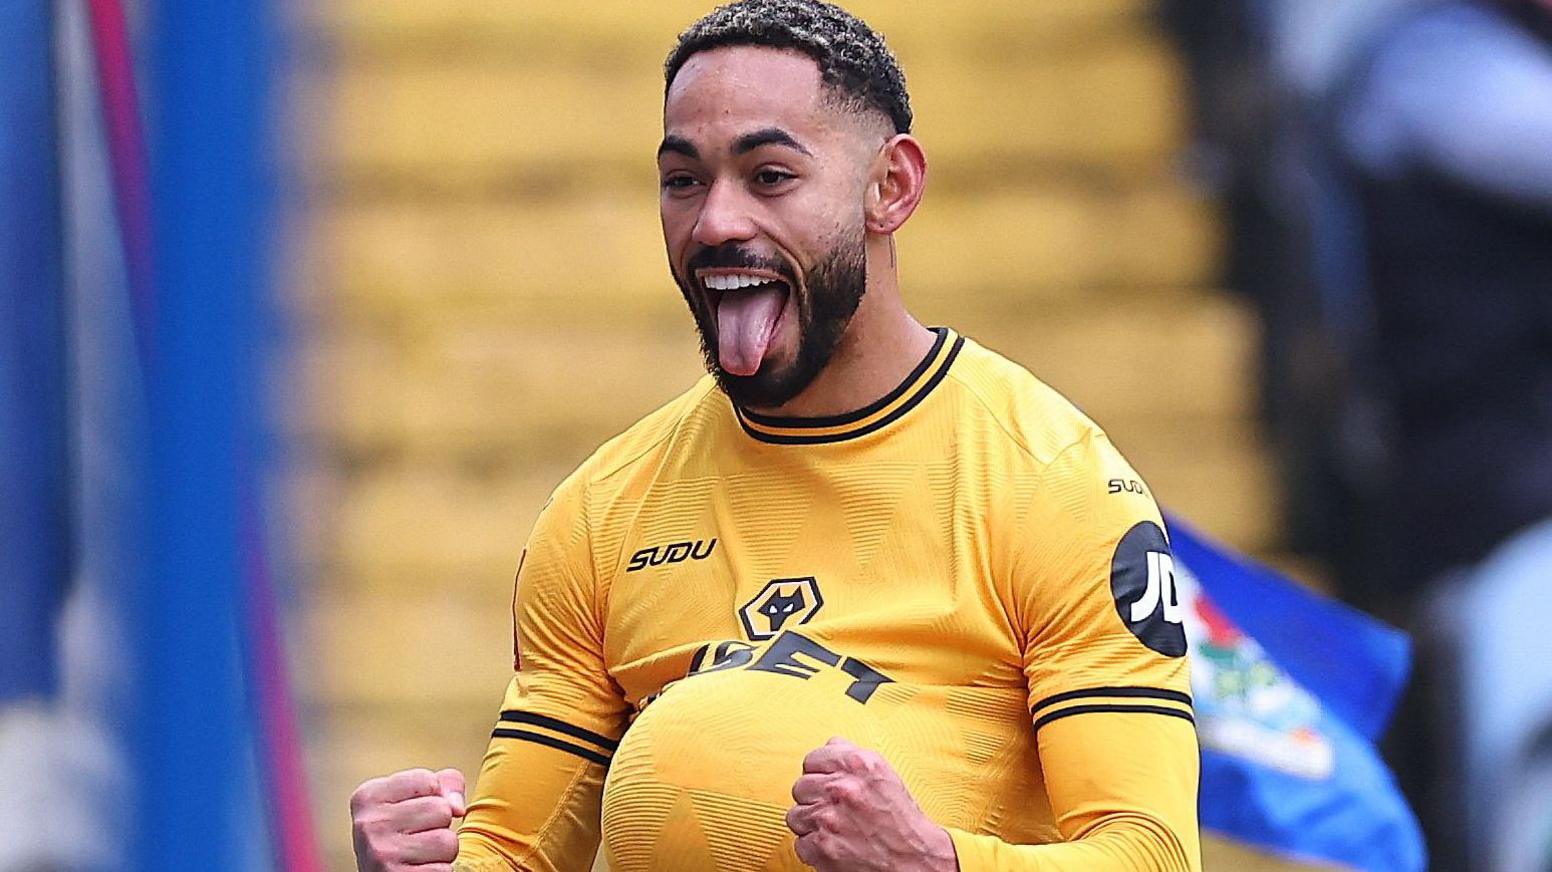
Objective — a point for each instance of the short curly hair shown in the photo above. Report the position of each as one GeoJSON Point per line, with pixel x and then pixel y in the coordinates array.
{"type": "Point", "coordinates": [852, 57]}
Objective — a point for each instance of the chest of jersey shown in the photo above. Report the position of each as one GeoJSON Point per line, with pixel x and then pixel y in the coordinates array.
{"type": "Point", "coordinates": [868, 587]}
{"type": "Point", "coordinates": [886, 565]}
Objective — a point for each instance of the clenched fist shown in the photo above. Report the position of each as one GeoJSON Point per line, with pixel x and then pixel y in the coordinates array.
{"type": "Point", "coordinates": [405, 821]}
{"type": "Point", "coordinates": [853, 814]}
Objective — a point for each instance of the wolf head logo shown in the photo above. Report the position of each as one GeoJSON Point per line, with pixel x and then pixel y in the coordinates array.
{"type": "Point", "coordinates": [783, 603]}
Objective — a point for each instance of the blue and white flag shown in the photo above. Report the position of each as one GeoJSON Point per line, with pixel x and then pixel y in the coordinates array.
{"type": "Point", "coordinates": [1291, 692]}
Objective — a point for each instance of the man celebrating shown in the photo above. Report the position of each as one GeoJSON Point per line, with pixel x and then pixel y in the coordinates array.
{"type": "Point", "coordinates": [855, 525]}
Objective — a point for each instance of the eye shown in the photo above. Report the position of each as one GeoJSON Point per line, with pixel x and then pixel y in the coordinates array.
{"type": "Point", "coordinates": [771, 178]}
{"type": "Point", "coordinates": [679, 182]}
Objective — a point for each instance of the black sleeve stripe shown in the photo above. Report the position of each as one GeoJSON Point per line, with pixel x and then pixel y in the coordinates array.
{"type": "Point", "coordinates": [1145, 692]}
{"type": "Point", "coordinates": [559, 726]}
{"type": "Point", "coordinates": [550, 741]}
{"type": "Point", "coordinates": [1117, 707]}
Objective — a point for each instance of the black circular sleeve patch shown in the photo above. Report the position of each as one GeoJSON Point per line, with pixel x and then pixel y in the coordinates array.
{"type": "Point", "coordinates": [1142, 580]}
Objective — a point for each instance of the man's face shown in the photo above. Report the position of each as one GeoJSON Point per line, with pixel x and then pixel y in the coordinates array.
{"type": "Point", "coordinates": [762, 203]}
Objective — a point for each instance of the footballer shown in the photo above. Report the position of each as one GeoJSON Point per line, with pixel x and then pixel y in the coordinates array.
{"type": "Point", "coordinates": [868, 596]}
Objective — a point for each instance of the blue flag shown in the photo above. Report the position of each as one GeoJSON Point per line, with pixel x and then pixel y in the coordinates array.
{"type": "Point", "coordinates": [1291, 691]}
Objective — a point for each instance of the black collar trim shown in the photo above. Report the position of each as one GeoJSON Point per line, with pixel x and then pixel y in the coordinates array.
{"type": "Point", "coordinates": [839, 428]}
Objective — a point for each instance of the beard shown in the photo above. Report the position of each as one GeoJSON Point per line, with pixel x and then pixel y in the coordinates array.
{"type": "Point", "coordinates": [825, 306]}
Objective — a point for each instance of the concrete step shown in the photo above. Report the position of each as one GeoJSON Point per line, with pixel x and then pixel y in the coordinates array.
{"type": "Point", "coordinates": [355, 743]}
{"type": "Point", "coordinates": [497, 392]}
{"type": "Point", "coordinates": [417, 529]}
{"type": "Point", "coordinates": [997, 249]}
{"type": "Point", "coordinates": [1218, 479]}
{"type": "Point", "coordinates": [481, 123]}
{"type": "Point", "coordinates": [616, 31]}
{"type": "Point", "coordinates": [1173, 361]}
{"type": "Point", "coordinates": [410, 651]}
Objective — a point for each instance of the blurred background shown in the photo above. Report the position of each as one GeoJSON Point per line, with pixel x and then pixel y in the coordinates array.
{"type": "Point", "coordinates": [428, 280]}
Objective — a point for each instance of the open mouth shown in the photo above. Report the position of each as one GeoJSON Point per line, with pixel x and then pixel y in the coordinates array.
{"type": "Point", "coordinates": [749, 306]}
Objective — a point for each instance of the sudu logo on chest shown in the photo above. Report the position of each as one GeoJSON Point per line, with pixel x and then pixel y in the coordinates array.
{"type": "Point", "coordinates": [678, 552]}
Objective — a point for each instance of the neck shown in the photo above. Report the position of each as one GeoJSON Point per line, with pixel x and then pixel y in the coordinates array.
{"type": "Point", "coordinates": [883, 343]}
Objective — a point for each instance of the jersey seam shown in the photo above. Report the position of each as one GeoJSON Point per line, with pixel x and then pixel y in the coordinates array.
{"type": "Point", "coordinates": [986, 406]}
{"type": "Point", "coordinates": [1026, 633]}
{"type": "Point", "coordinates": [593, 481]}
{"type": "Point", "coordinates": [1016, 619]}
{"type": "Point", "coordinates": [600, 608]}
{"type": "Point", "coordinates": [601, 599]}
{"type": "Point", "coordinates": [669, 433]}
{"type": "Point", "coordinates": [490, 844]}
{"type": "Point", "coordinates": [543, 831]}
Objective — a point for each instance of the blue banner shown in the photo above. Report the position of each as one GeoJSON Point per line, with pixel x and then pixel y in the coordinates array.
{"type": "Point", "coordinates": [1291, 690]}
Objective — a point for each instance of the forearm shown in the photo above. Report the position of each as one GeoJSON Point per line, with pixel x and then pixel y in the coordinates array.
{"type": "Point", "coordinates": [478, 854]}
{"type": "Point", "coordinates": [537, 801]}
{"type": "Point", "coordinates": [1126, 843]}
{"type": "Point", "coordinates": [1123, 785]}
{"type": "Point", "coordinates": [534, 807]}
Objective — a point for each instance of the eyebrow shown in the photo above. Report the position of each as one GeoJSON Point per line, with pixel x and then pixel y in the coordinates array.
{"type": "Point", "coordinates": [677, 145]}
{"type": "Point", "coordinates": [768, 136]}
{"type": "Point", "coordinates": [743, 145]}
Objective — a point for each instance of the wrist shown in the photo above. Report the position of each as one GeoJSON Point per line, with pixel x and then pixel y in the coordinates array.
{"type": "Point", "coordinates": [941, 855]}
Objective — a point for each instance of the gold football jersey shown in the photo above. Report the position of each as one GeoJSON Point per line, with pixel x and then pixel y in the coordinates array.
{"type": "Point", "coordinates": [964, 575]}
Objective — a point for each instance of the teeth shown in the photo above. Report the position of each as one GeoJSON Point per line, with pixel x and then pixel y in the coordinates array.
{"type": "Point", "coordinates": [734, 281]}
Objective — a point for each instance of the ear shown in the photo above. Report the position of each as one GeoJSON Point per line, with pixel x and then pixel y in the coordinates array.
{"type": "Point", "coordinates": [896, 183]}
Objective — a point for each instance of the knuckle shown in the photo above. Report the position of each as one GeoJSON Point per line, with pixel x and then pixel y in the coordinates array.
{"type": "Point", "coordinates": [426, 808]}
{"type": "Point", "coordinates": [843, 791]}
{"type": "Point", "coordinates": [816, 848]}
{"type": "Point", "coordinates": [377, 831]}
{"type": "Point", "coordinates": [444, 844]}
{"type": "Point", "coordinates": [364, 793]}
{"type": "Point", "coordinates": [371, 846]}
{"type": "Point", "coordinates": [395, 851]}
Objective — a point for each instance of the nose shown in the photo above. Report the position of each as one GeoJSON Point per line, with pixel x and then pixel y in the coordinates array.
{"type": "Point", "coordinates": [724, 216]}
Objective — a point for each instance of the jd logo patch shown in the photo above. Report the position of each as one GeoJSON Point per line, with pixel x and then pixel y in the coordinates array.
{"type": "Point", "coordinates": [783, 602]}
{"type": "Point", "coordinates": [1142, 580]}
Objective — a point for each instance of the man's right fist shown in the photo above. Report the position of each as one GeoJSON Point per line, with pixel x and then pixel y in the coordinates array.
{"type": "Point", "coordinates": [405, 821]}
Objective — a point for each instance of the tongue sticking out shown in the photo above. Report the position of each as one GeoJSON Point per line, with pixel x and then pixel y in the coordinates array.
{"type": "Point", "coordinates": [745, 322]}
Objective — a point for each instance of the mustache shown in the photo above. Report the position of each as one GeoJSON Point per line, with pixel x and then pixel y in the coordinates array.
{"type": "Point", "coordinates": [737, 257]}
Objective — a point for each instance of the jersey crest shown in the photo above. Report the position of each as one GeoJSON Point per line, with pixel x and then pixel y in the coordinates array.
{"type": "Point", "coordinates": [782, 603]}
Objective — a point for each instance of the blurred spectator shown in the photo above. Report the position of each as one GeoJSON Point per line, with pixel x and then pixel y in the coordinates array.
{"type": "Point", "coordinates": [1505, 705]}
{"type": "Point", "coordinates": [1448, 130]}
{"type": "Point", "coordinates": [1262, 72]}
{"type": "Point", "coordinates": [1387, 170]}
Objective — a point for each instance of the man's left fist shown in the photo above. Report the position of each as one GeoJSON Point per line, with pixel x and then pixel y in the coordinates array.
{"type": "Point", "coordinates": [853, 814]}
